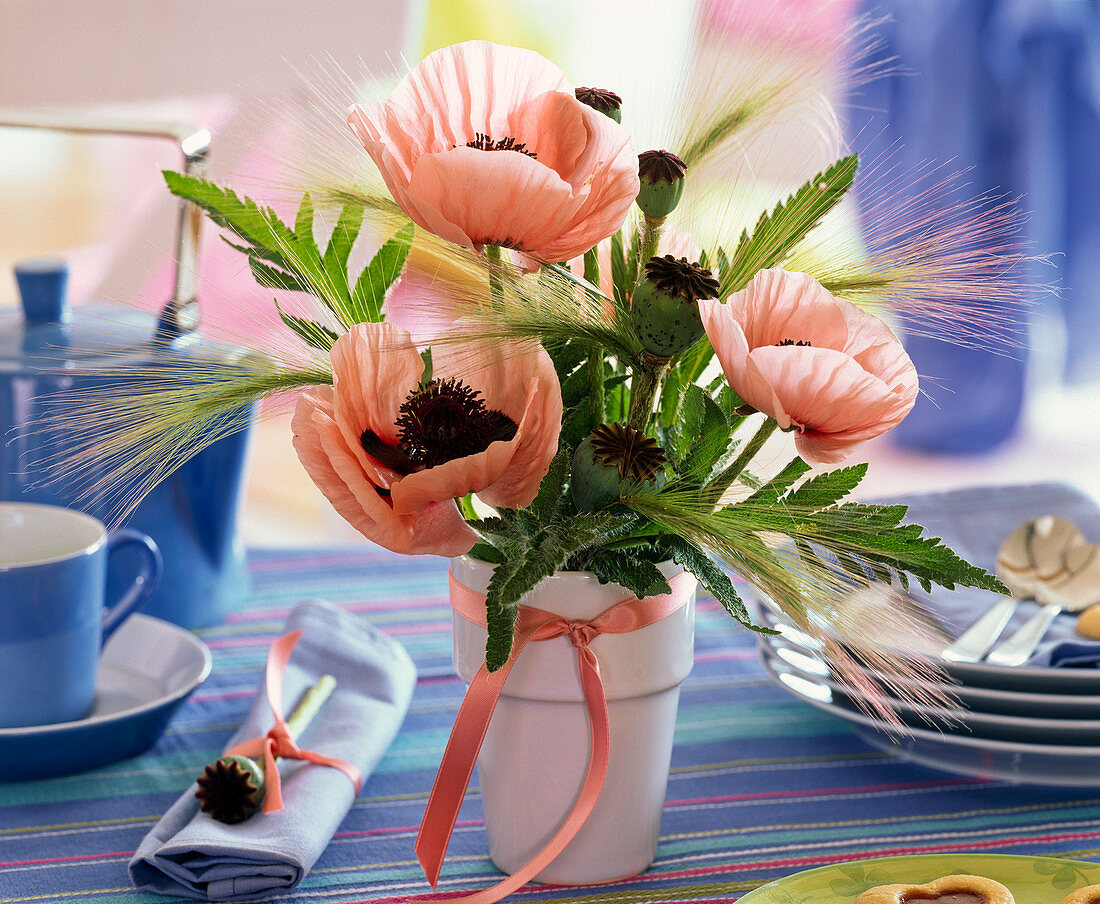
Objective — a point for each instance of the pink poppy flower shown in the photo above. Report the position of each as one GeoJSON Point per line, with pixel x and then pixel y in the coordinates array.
{"type": "Point", "coordinates": [392, 455]}
{"type": "Point", "coordinates": [487, 145]}
{"type": "Point", "coordinates": [816, 363]}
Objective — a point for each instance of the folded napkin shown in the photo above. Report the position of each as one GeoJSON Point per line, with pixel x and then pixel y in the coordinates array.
{"type": "Point", "coordinates": [189, 853]}
{"type": "Point", "coordinates": [974, 522]}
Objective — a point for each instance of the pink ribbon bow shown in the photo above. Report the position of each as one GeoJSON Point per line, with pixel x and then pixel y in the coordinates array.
{"type": "Point", "coordinates": [278, 741]}
{"type": "Point", "coordinates": [477, 707]}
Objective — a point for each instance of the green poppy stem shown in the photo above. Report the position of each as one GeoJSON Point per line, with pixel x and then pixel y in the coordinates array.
{"type": "Point", "coordinates": [725, 480]}
{"type": "Point", "coordinates": [595, 355]}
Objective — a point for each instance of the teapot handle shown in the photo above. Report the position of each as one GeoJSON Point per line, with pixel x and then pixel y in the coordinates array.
{"type": "Point", "coordinates": [181, 314]}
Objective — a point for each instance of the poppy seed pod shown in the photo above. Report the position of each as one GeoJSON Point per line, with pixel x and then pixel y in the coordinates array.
{"type": "Point", "coordinates": [665, 305]}
{"type": "Point", "coordinates": [607, 102]}
{"type": "Point", "coordinates": [611, 457]}
{"type": "Point", "coordinates": [661, 183]}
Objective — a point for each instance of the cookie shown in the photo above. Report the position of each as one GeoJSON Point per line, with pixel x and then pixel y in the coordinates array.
{"type": "Point", "coordinates": [1088, 623]}
{"type": "Point", "coordinates": [1090, 894]}
{"type": "Point", "coordinates": [960, 889]}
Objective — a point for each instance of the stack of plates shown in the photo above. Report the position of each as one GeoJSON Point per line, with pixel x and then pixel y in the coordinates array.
{"type": "Point", "coordinates": [1036, 725]}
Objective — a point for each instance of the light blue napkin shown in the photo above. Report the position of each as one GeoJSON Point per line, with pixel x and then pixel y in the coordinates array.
{"type": "Point", "coordinates": [974, 522]}
{"type": "Point", "coordinates": [188, 853]}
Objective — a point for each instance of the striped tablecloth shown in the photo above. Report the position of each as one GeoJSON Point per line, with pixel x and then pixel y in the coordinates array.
{"type": "Point", "coordinates": [761, 786]}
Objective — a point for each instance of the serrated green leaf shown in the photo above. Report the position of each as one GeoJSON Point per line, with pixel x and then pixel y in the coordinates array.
{"type": "Point", "coordinates": [714, 579]}
{"type": "Point", "coordinates": [271, 277]}
{"type": "Point", "coordinates": [777, 232]}
{"type": "Point", "coordinates": [303, 223]}
{"type": "Point", "coordinates": [486, 552]}
{"type": "Point", "coordinates": [770, 492]}
{"type": "Point", "coordinates": [377, 277]}
{"type": "Point", "coordinates": [826, 489]}
{"type": "Point", "coordinates": [335, 259]}
{"type": "Point", "coordinates": [551, 487]}
{"type": "Point", "coordinates": [567, 357]}
{"type": "Point", "coordinates": [312, 333]}
{"type": "Point", "coordinates": [574, 427]}
{"type": "Point", "coordinates": [640, 576]}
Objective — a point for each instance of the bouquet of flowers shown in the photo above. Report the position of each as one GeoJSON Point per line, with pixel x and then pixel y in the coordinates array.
{"type": "Point", "coordinates": [561, 357]}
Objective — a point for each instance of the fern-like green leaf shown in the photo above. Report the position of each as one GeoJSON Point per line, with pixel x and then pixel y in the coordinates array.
{"type": "Point", "coordinates": [777, 232]}
{"type": "Point", "coordinates": [378, 276]}
{"type": "Point", "coordinates": [311, 332]}
{"type": "Point", "coordinates": [714, 579]}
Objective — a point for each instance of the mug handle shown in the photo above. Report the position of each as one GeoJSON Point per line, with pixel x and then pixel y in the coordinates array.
{"type": "Point", "coordinates": [144, 583]}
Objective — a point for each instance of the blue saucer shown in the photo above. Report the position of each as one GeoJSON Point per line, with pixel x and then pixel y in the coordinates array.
{"type": "Point", "coordinates": [147, 670]}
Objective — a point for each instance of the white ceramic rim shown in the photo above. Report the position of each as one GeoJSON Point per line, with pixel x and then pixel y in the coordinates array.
{"type": "Point", "coordinates": [975, 692]}
{"type": "Point", "coordinates": [1016, 675]}
{"type": "Point", "coordinates": [977, 717]}
{"type": "Point", "coordinates": [62, 514]}
{"type": "Point", "coordinates": [949, 740]}
{"type": "Point", "coordinates": [177, 693]}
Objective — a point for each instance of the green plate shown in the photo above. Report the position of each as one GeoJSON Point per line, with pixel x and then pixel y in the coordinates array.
{"type": "Point", "coordinates": [1032, 880]}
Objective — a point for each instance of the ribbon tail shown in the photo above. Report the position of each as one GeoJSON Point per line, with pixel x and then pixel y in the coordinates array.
{"type": "Point", "coordinates": [457, 766]}
{"type": "Point", "coordinates": [273, 786]}
{"type": "Point", "coordinates": [595, 773]}
{"type": "Point", "coordinates": [321, 759]}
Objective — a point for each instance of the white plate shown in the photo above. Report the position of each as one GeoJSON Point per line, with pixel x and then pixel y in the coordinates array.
{"type": "Point", "coordinates": [976, 699]}
{"type": "Point", "coordinates": [1079, 732]}
{"type": "Point", "coordinates": [147, 669]}
{"type": "Point", "coordinates": [1022, 679]}
{"type": "Point", "coordinates": [1038, 764]}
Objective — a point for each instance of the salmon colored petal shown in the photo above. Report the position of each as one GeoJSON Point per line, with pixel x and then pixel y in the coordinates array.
{"type": "Point", "coordinates": [778, 305]}
{"type": "Point", "coordinates": [520, 381]}
{"type": "Point", "coordinates": [811, 361]}
{"type": "Point", "coordinates": [453, 94]}
{"type": "Point", "coordinates": [553, 126]}
{"type": "Point", "coordinates": [335, 469]}
{"type": "Point", "coordinates": [613, 167]}
{"type": "Point", "coordinates": [499, 197]}
{"type": "Point", "coordinates": [374, 367]}
{"type": "Point", "coordinates": [826, 392]}
{"type": "Point", "coordinates": [481, 92]}
{"type": "Point", "coordinates": [728, 338]}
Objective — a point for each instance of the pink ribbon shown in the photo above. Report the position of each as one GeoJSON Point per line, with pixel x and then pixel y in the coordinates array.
{"type": "Point", "coordinates": [278, 742]}
{"type": "Point", "coordinates": [472, 722]}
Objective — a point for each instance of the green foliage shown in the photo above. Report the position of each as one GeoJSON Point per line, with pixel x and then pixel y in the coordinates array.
{"type": "Point", "coordinates": [309, 331]}
{"type": "Point", "coordinates": [381, 273]}
{"type": "Point", "coordinates": [290, 259]}
{"type": "Point", "coordinates": [776, 233]}
{"type": "Point", "coordinates": [862, 538]}
{"type": "Point", "coordinates": [714, 579]}
{"type": "Point", "coordinates": [532, 544]}
{"type": "Point", "coordinates": [629, 569]}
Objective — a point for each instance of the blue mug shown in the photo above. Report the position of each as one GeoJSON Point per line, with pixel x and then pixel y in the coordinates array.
{"type": "Point", "coordinates": [53, 624]}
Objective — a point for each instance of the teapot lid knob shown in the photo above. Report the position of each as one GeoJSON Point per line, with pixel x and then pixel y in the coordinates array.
{"type": "Point", "coordinates": [42, 289]}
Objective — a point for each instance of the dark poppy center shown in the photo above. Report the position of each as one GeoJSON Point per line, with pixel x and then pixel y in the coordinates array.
{"type": "Point", "coordinates": [799, 344]}
{"type": "Point", "coordinates": [486, 143]}
{"type": "Point", "coordinates": [439, 422]}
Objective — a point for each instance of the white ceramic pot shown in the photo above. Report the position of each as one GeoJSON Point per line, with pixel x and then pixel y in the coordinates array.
{"type": "Point", "coordinates": [533, 760]}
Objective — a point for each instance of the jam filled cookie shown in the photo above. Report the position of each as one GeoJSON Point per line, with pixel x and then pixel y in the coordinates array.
{"type": "Point", "coordinates": [1090, 894]}
{"type": "Point", "coordinates": [945, 890]}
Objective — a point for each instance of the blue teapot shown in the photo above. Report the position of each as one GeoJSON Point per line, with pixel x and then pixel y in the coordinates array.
{"type": "Point", "coordinates": [48, 352]}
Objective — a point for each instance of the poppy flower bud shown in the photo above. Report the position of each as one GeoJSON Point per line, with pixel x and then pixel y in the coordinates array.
{"type": "Point", "coordinates": [606, 102]}
{"type": "Point", "coordinates": [665, 305]}
{"type": "Point", "coordinates": [611, 457]}
{"type": "Point", "coordinates": [661, 174]}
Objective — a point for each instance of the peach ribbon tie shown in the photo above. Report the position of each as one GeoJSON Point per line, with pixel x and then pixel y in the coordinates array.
{"type": "Point", "coordinates": [278, 741]}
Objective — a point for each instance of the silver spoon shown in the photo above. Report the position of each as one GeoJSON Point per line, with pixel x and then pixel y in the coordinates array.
{"type": "Point", "coordinates": [1073, 587]}
{"type": "Point", "coordinates": [1016, 570]}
